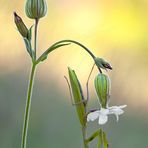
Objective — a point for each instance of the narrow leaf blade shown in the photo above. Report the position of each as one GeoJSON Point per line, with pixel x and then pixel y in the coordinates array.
{"type": "Point", "coordinates": [50, 49]}
{"type": "Point", "coordinates": [29, 35]}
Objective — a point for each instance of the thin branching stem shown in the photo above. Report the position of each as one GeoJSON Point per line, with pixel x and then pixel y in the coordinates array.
{"type": "Point", "coordinates": [27, 108]}
{"type": "Point", "coordinates": [84, 137]}
{"type": "Point", "coordinates": [30, 89]}
{"type": "Point", "coordinates": [87, 83]}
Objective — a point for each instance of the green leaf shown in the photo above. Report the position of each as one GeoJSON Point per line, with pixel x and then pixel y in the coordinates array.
{"type": "Point", "coordinates": [29, 34]}
{"type": "Point", "coordinates": [77, 95]}
{"type": "Point", "coordinates": [50, 49]}
{"type": "Point", "coordinates": [93, 136]}
{"type": "Point", "coordinates": [102, 140]}
{"type": "Point", "coordinates": [28, 47]}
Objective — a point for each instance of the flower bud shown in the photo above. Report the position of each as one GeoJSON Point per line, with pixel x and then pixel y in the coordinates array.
{"type": "Point", "coordinates": [77, 95]}
{"type": "Point", "coordinates": [36, 9]}
{"type": "Point", "coordinates": [102, 63]}
{"type": "Point", "coordinates": [20, 25]}
{"type": "Point", "coordinates": [102, 86]}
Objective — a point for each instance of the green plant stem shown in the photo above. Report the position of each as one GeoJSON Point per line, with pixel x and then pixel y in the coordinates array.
{"type": "Point", "coordinates": [28, 106]}
{"type": "Point", "coordinates": [84, 137]}
{"type": "Point", "coordinates": [75, 42]}
{"type": "Point", "coordinates": [35, 36]}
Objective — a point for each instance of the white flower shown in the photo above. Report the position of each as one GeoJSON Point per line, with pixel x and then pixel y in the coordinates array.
{"type": "Point", "coordinates": [103, 113]}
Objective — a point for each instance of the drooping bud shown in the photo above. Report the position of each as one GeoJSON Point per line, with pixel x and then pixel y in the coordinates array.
{"type": "Point", "coordinates": [20, 25]}
{"type": "Point", "coordinates": [101, 63]}
{"type": "Point", "coordinates": [102, 86]}
{"type": "Point", "coordinates": [36, 9]}
{"type": "Point", "coordinates": [77, 95]}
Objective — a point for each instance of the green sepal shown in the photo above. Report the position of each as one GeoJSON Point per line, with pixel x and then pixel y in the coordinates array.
{"type": "Point", "coordinates": [102, 86]}
{"type": "Point", "coordinates": [50, 49]}
{"type": "Point", "coordinates": [29, 47]}
{"type": "Point", "coordinates": [78, 96]}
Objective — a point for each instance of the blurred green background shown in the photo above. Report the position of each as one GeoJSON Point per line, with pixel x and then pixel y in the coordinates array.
{"type": "Point", "coordinates": [116, 30]}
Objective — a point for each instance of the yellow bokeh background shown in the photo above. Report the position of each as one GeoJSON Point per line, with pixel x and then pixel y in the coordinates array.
{"type": "Point", "coordinates": [114, 30]}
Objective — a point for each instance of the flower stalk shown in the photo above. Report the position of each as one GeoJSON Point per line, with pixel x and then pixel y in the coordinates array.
{"type": "Point", "coordinates": [30, 89]}
{"type": "Point", "coordinates": [84, 137]}
{"type": "Point", "coordinates": [35, 36]}
{"type": "Point", "coordinates": [28, 106]}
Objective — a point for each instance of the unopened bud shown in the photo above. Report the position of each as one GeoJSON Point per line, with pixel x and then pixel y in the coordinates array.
{"type": "Point", "coordinates": [20, 25]}
{"type": "Point", "coordinates": [102, 86]}
{"type": "Point", "coordinates": [36, 9]}
{"type": "Point", "coordinates": [101, 63]}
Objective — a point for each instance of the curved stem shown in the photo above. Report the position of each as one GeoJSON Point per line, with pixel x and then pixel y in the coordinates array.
{"type": "Point", "coordinates": [75, 42]}
{"type": "Point", "coordinates": [27, 108]}
{"type": "Point", "coordinates": [65, 41]}
{"type": "Point", "coordinates": [87, 90]}
{"type": "Point", "coordinates": [35, 36]}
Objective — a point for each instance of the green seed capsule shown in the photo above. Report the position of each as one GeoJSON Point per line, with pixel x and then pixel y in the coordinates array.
{"type": "Point", "coordinates": [36, 9]}
{"type": "Point", "coordinates": [20, 25]}
{"type": "Point", "coordinates": [77, 95]}
{"type": "Point", "coordinates": [102, 86]}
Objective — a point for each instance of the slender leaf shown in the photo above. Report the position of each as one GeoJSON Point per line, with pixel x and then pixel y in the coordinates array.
{"type": "Point", "coordinates": [93, 136]}
{"type": "Point", "coordinates": [29, 35]}
{"type": "Point", "coordinates": [50, 49]}
{"type": "Point", "coordinates": [28, 47]}
{"type": "Point", "coordinates": [102, 140]}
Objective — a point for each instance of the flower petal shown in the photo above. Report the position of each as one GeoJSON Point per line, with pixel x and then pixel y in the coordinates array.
{"type": "Point", "coordinates": [123, 106]}
{"type": "Point", "coordinates": [104, 111]}
{"type": "Point", "coordinates": [92, 116]}
{"type": "Point", "coordinates": [102, 119]}
{"type": "Point", "coordinates": [117, 110]}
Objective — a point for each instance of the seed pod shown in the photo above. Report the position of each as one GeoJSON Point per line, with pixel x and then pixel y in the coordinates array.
{"type": "Point", "coordinates": [20, 25]}
{"type": "Point", "coordinates": [101, 63]}
{"type": "Point", "coordinates": [36, 9]}
{"type": "Point", "coordinates": [77, 95]}
{"type": "Point", "coordinates": [102, 86]}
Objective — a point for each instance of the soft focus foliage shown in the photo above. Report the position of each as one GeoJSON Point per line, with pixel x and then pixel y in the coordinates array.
{"type": "Point", "coordinates": [115, 30]}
